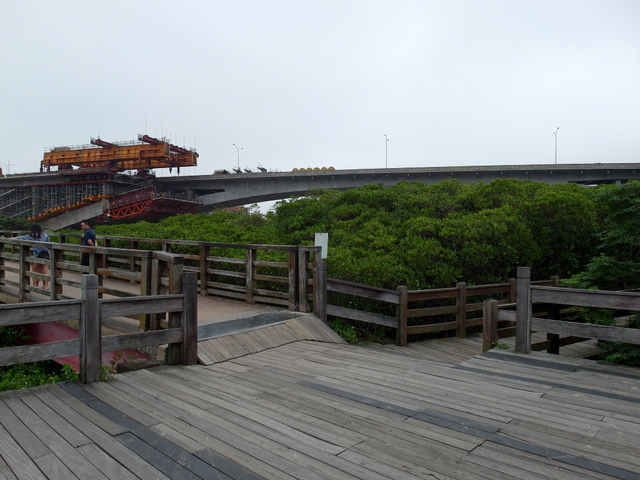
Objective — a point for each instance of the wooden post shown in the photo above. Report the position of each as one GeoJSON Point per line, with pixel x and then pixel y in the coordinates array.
{"type": "Point", "coordinates": [461, 315]}
{"type": "Point", "coordinates": [204, 266]}
{"type": "Point", "coordinates": [23, 268]}
{"type": "Point", "coordinates": [145, 286]}
{"type": "Point", "coordinates": [55, 272]}
{"type": "Point", "coordinates": [512, 290]}
{"type": "Point", "coordinates": [523, 311]}
{"type": "Point", "coordinates": [90, 332]}
{"type": "Point", "coordinates": [158, 270]}
{"type": "Point", "coordinates": [251, 270]}
{"type": "Point", "coordinates": [401, 332]}
{"type": "Point", "coordinates": [2, 276]}
{"type": "Point", "coordinates": [489, 324]}
{"type": "Point", "coordinates": [303, 258]}
{"type": "Point", "coordinates": [189, 320]}
{"type": "Point", "coordinates": [174, 350]}
{"type": "Point", "coordinates": [320, 290]}
{"type": "Point", "coordinates": [553, 338]}
{"type": "Point", "coordinates": [293, 280]}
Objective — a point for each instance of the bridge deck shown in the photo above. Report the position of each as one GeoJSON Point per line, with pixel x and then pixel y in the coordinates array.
{"type": "Point", "coordinates": [318, 410]}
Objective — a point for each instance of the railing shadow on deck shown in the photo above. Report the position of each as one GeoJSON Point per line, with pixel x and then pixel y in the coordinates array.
{"type": "Point", "coordinates": [522, 320]}
{"type": "Point", "coordinates": [180, 333]}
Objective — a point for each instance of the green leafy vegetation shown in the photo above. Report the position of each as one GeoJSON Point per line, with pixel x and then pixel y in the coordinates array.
{"type": "Point", "coordinates": [14, 224]}
{"type": "Point", "coordinates": [26, 375]}
{"type": "Point", "coordinates": [616, 265]}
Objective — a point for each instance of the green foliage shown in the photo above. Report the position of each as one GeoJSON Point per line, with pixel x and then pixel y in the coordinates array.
{"type": "Point", "coordinates": [26, 375]}
{"type": "Point", "coordinates": [14, 224]}
{"type": "Point", "coordinates": [347, 331]}
{"type": "Point", "coordinates": [617, 265]}
{"type": "Point", "coordinates": [11, 336]}
{"type": "Point", "coordinates": [33, 374]}
{"type": "Point", "coordinates": [622, 353]}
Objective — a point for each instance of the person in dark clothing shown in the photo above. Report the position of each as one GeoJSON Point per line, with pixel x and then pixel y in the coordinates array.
{"type": "Point", "coordinates": [88, 239]}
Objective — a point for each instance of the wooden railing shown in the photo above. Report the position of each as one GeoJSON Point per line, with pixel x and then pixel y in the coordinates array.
{"type": "Point", "coordinates": [280, 275]}
{"type": "Point", "coordinates": [180, 334]}
{"type": "Point", "coordinates": [415, 312]}
{"type": "Point", "coordinates": [529, 295]}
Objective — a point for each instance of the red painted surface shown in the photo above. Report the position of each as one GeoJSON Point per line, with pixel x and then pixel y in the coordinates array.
{"type": "Point", "coordinates": [54, 332]}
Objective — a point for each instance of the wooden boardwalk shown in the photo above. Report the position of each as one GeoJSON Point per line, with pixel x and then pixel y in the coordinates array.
{"type": "Point", "coordinates": [320, 410]}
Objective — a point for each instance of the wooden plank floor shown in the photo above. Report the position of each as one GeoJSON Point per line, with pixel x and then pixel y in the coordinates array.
{"type": "Point", "coordinates": [313, 410]}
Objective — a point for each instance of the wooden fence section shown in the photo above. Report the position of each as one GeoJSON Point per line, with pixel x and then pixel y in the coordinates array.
{"type": "Point", "coordinates": [280, 275]}
{"type": "Point", "coordinates": [526, 322]}
{"type": "Point", "coordinates": [419, 311]}
{"type": "Point", "coordinates": [181, 334]}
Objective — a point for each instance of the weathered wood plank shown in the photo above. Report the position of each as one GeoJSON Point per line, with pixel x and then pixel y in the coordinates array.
{"type": "Point", "coordinates": [38, 352]}
{"type": "Point", "coordinates": [602, 332]}
{"type": "Point", "coordinates": [362, 316]}
{"type": "Point", "coordinates": [116, 307]}
{"type": "Point", "coordinates": [40, 312]}
{"type": "Point", "coordinates": [586, 298]}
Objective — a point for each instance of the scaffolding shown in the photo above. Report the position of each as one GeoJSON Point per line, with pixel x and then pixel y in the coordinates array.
{"type": "Point", "coordinates": [92, 173]}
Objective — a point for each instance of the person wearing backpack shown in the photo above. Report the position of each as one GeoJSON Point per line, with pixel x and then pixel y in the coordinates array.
{"type": "Point", "coordinates": [37, 235]}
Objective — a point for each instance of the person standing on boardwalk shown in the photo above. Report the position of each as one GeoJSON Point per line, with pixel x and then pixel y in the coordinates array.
{"type": "Point", "coordinates": [88, 239]}
{"type": "Point", "coordinates": [37, 235]}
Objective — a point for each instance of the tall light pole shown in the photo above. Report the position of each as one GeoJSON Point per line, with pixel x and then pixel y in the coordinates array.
{"type": "Point", "coordinates": [8, 165]}
{"type": "Point", "coordinates": [555, 134]}
{"type": "Point", "coordinates": [386, 150]}
{"type": "Point", "coordinates": [238, 150]}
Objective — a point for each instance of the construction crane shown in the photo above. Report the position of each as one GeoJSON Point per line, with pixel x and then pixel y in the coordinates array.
{"type": "Point", "coordinates": [142, 155]}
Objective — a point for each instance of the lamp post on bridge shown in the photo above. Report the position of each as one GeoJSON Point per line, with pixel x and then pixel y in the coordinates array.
{"type": "Point", "coordinates": [555, 134]}
{"type": "Point", "coordinates": [8, 165]}
{"type": "Point", "coordinates": [238, 150]}
{"type": "Point", "coordinates": [386, 150]}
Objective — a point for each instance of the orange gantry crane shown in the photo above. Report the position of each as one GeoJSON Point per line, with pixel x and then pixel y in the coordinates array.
{"type": "Point", "coordinates": [93, 173]}
{"type": "Point", "coordinates": [145, 154]}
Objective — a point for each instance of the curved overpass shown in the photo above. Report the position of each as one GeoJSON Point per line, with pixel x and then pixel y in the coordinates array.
{"type": "Point", "coordinates": [227, 190]}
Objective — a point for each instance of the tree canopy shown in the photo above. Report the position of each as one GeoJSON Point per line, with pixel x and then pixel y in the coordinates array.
{"type": "Point", "coordinates": [422, 236]}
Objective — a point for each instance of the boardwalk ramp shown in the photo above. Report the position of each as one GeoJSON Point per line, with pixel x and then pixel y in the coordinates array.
{"type": "Point", "coordinates": [221, 341]}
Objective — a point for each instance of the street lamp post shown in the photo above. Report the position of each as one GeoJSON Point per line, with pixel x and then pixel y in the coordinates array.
{"type": "Point", "coordinates": [8, 165]}
{"type": "Point", "coordinates": [386, 151]}
{"type": "Point", "coordinates": [555, 134]}
{"type": "Point", "coordinates": [238, 150]}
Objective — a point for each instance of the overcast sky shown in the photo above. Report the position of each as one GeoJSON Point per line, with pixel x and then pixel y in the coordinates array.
{"type": "Point", "coordinates": [320, 83]}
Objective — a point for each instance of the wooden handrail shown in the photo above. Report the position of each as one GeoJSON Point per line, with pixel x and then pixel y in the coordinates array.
{"type": "Point", "coordinates": [89, 310]}
{"type": "Point", "coordinates": [288, 282]}
{"type": "Point", "coordinates": [526, 323]}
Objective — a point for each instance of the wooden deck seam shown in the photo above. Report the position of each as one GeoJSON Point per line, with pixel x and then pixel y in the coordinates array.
{"type": "Point", "coordinates": [153, 446]}
{"type": "Point", "coordinates": [491, 435]}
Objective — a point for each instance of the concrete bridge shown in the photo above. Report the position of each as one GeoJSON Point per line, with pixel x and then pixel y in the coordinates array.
{"type": "Point", "coordinates": [215, 191]}
{"type": "Point", "coordinates": [28, 195]}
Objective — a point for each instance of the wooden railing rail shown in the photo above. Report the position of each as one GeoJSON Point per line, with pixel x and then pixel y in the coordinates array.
{"type": "Point", "coordinates": [249, 276]}
{"type": "Point", "coordinates": [255, 275]}
{"type": "Point", "coordinates": [529, 294]}
{"type": "Point", "coordinates": [411, 319]}
{"type": "Point", "coordinates": [89, 311]}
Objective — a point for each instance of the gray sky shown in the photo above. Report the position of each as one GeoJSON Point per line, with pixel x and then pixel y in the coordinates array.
{"type": "Point", "coordinates": [306, 84]}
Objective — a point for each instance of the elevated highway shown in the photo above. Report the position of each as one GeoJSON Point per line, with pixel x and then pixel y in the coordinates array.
{"type": "Point", "coordinates": [226, 190]}
{"type": "Point", "coordinates": [27, 195]}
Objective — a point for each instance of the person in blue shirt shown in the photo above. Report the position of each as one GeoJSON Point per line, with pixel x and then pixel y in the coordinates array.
{"type": "Point", "coordinates": [89, 239]}
{"type": "Point", "coordinates": [37, 235]}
